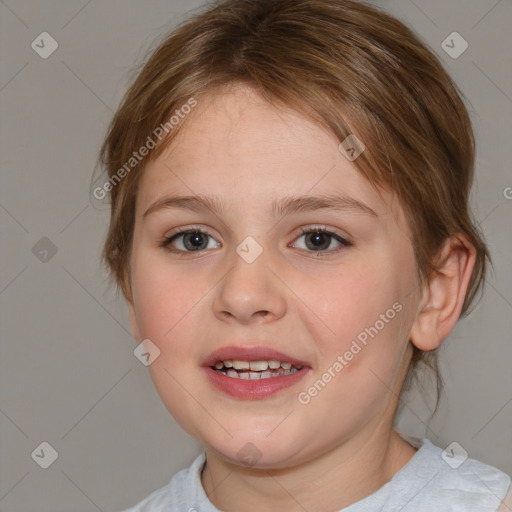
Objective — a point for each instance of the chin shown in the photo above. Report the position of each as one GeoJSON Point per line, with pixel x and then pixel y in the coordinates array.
{"type": "Point", "coordinates": [257, 452]}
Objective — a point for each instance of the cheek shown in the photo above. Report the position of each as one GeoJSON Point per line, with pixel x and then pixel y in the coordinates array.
{"type": "Point", "coordinates": [166, 305]}
{"type": "Point", "coordinates": [351, 299]}
{"type": "Point", "coordinates": [165, 300]}
{"type": "Point", "coordinates": [363, 330]}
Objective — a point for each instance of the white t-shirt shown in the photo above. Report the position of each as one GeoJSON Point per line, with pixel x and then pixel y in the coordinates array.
{"type": "Point", "coordinates": [427, 483]}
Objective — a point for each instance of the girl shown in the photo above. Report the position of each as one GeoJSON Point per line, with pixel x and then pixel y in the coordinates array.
{"type": "Point", "coordinates": [289, 183]}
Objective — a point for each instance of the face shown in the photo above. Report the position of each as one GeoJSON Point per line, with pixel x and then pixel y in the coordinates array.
{"type": "Point", "coordinates": [295, 258]}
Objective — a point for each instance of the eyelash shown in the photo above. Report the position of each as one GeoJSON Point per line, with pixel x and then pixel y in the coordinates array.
{"type": "Point", "coordinates": [167, 241]}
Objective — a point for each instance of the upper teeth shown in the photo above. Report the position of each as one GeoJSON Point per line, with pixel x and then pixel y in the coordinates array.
{"type": "Point", "coordinates": [257, 366]}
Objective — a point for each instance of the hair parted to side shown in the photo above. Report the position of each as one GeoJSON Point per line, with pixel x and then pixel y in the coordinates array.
{"type": "Point", "coordinates": [344, 64]}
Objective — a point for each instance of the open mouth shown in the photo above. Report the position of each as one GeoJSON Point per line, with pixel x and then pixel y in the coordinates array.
{"type": "Point", "coordinates": [255, 370]}
{"type": "Point", "coordinates": [251, 372]}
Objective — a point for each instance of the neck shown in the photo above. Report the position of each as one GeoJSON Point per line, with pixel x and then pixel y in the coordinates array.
{"type": "Point", "coordinates": [342, 476]}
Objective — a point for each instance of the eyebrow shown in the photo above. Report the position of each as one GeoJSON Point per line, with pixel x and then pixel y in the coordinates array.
{"type": "Point", "coordinates": [280, 207]}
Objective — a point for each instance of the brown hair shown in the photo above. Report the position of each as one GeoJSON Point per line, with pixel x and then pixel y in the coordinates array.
{"type": "Point", "coordinates": [346, 65]}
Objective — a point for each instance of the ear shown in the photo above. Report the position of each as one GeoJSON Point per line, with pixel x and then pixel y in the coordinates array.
{"type": "Point", "coordinates": [134, 326]}
{"type": "Point", "coordinates": [444, 294]}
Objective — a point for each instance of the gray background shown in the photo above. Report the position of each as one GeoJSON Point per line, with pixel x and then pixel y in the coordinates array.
{"type": "Point", "coordinates": [68, 373]}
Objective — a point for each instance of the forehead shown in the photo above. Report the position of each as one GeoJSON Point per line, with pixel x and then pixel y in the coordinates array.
{"type": "Point", "coordinates": [235, 128]}
{"type": "Point", "coordinates": [235, 146]}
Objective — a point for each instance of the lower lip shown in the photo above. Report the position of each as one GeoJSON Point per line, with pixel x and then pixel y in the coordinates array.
{"type": "Point", "coordinates": [253, 389]}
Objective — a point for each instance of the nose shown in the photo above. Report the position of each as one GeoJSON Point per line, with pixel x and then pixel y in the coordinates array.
{"type": "Point", "coordinates": [250, 292]}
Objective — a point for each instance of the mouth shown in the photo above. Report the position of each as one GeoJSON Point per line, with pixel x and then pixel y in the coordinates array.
{"type": "Point", "coordinates": [253, 372]}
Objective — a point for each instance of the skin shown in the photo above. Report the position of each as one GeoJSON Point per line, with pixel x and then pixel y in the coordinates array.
{"type": "Point", "coordinates": [308, 304]}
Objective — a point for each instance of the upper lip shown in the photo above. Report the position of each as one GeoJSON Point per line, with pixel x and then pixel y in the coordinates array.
{"type": "Point", "coordinates": [254, 353]}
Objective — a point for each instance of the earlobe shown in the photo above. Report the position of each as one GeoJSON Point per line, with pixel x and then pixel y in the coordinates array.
{"type": "Point", "coordinates": [444, 294]}
{"type": "Point", "coordinates": [425, 333]}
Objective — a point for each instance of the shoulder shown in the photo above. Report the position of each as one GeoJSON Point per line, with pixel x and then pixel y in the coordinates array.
{"type": "Point", "coordinates": [449, 480]}
{"type": "Point", "coordinates": [181, 493]}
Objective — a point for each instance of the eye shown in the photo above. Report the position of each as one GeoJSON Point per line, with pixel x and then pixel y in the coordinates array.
{"type": "Point", "coordinates": [320, 239]}
{"type": "Point", "coordinates": [189, 240]}
{"type": "Point", "coordinates": [317, 240]}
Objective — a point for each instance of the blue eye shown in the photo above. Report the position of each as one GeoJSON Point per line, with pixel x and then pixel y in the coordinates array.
{"type": "Point", "coordinates": [317, 240]}
{"type": "Point", "coordinates": [190, 240]}
{"type": "Point", "coordinates": [321, 239]}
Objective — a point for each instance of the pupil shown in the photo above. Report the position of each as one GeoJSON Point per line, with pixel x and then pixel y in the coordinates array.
{"type": "Point", "coordinates": [194, 241]}
{"type": "Point", "coordinates": [317, 239]}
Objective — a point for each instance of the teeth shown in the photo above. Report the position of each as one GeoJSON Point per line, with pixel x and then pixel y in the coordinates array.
{"type": "Point", "coordinates": [248, 375]}
{"type": "Point", "coordinates": [257, 366]}
{"type": "Point", "coordinates": [255, 370]}
{"type": "Point", "coordinates": [241, 365]}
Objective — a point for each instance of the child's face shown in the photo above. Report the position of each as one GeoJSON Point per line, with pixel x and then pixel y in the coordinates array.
{"type": "Point", "coordinates": [306, 303]}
